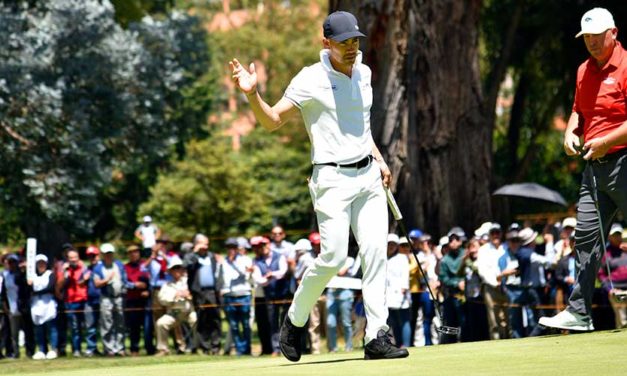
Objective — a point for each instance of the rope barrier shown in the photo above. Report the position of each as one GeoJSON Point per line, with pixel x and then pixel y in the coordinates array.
{"type": "Point", "coordinates": [289, 301]}
{"type": "Point", "coordinates": [201, 306]}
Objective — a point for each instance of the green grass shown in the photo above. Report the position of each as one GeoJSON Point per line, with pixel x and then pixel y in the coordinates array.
{"type": "Point", "coordinates": [595, 354]}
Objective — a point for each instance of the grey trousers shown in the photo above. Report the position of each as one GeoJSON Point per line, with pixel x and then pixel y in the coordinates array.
{"type": "Point", "coordinates": [611, 178]}
{"type": "Point", "coordinates": [112, 327]}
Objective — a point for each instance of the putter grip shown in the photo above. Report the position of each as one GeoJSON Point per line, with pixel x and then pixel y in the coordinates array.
{"type": "Point", "coordinates": [396, 212]}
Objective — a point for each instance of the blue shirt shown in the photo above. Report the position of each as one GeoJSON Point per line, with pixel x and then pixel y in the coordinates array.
{"type": "Point", "coordinates": [206, 277]}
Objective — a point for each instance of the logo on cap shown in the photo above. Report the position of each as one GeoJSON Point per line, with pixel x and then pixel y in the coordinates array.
{"type": "Point", "coordinates": [341, 26]}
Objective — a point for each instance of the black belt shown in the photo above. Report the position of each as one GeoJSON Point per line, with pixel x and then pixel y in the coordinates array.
{"type": "Point", "coordinates": [611, 157]}
{"type": "Point", "coordinates": [359, 164]}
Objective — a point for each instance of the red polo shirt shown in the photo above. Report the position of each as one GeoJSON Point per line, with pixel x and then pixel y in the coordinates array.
{"type": "Point", "coordinates": [75, 292]}
{"type": "Point", "coordinates": [600, 97]}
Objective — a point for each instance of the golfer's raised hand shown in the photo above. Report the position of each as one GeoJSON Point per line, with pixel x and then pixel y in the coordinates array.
{"type": "Point", "coordinates": [571, 143]}
{"type": "Point", "coordinates": [245, 79]}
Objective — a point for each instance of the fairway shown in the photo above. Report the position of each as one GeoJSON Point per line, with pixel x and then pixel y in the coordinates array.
{"type": "Point", "coordinates": [583, 354]}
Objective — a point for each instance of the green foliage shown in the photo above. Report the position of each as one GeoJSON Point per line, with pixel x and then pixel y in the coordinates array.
{"type": "Point", "coordinates": [285, 39]}
{"type": "Point", "coordinates": [216, 190]}
{"type": "Point", "coordinates": [279, 170]}
{"type": "Point", "coordinates": [265, 181]}
{"type": "Point", "coordinates": [128, 11]}
{"type": "Point", "coordinates": [208, 191]}
{"type": "Point", "coordinates": [84, 105]}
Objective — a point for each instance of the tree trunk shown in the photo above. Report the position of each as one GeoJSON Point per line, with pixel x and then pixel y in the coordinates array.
{"type": "Point", "coordinates": [50, 236]}
{"type": "Point", "coordinates": [427, 116]}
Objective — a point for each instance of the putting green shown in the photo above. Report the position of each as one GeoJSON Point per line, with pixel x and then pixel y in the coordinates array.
{"type": "Point", "coordinates": [582, 354]}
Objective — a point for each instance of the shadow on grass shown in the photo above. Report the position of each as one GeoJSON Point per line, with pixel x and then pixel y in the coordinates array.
{"type": "Point", "coordinates": [322, 362]}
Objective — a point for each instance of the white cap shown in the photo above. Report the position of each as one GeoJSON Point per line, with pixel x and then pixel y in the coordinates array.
{"type": "Point", "coordinates": [174, 261]}
{"type": "Point", "coordinates": [107, 248]}
{"type": "Point", "coordinates": [569, 222]}
{"type": "Point", "coordinates": [443, 241]}
{"type": "Point", "coordinates": [616, 227]}
{"type": "Point", "coordinates": [596, 21]}
{"type": "Point", "coordinates": [41, 257]}
{"type": "Point", "coordinates": [484, 229]}
{"type": "Point", "coordinates": [302, 245]}
{"type": "Point", "coordinates": [147, 218]}
{"type": "Point", "coordinates": [393, 238]}
{"type": "Point", "coordinates": [403, 240]}
{"type": "Point", "coordinates": [527, 235]}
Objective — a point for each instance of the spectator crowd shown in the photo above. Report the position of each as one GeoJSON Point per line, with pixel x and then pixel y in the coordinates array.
{"type": "Point", "coordinates": [166, 298]}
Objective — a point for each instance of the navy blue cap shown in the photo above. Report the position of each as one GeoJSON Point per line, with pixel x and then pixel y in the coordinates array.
{"type": "Point", "coordinates": [341, 26]}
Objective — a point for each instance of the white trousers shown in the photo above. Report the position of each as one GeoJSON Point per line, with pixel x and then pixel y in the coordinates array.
{"type": "Point", "coordinates": [343, 198]}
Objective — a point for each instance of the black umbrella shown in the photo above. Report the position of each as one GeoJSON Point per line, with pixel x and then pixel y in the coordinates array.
{"type": "Point", "coordinates": [531, 190]}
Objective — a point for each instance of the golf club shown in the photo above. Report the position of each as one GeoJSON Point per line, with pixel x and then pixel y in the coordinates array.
{"type": "Point", "coordinates": [620, 295]}
{"type": "Point", "coordinates": [396, 212]}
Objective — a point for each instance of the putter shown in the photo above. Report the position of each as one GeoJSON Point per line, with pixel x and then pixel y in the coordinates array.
{"type": "Point", "coordinates": [620, 295]}
{"type": "Point", "coordinates": [443, 329]}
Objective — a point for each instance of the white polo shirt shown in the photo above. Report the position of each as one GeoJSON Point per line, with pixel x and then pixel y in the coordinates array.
{"type": "Point", "coordinates": [397, 295]}
{"type": "Point", "coordinates": [336, 110]}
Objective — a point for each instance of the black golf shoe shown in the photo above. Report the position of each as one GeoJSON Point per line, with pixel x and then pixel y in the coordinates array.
{"type": "Point", "coordinates": [383, 348]}
{"type": "Point", "coordinates": [290, 340]}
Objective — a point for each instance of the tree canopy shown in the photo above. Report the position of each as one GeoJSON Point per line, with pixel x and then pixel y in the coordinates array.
{"type": "Point", "coordinates": [104, 108]}
{"type": "Point", "coordinates": [84, 103]}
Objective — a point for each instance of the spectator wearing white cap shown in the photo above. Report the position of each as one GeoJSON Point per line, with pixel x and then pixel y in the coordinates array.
{"type": "Point", "coordinates": [234, 281]}
{"type": "Point", "coordinates": [494, 298]}
{"type": "Point", "coordinates": [43, 309]}
{"type": "Point", "coordinates": [564, 246]}
{"type": "Point", "coordinates": [176, 297]}
{"type": "Point", "coordinates": [243, 246]}
{"type": "Point", "coordinates": [398, 297]}
{"type": "Point", "coordinates": [482, 234]}
{"type": "Point", "coordinates": [617, 261]}
{"type": "Point", "coordinates": [148, 233]}
{"type": "Point", "coordinates": [110, 278]}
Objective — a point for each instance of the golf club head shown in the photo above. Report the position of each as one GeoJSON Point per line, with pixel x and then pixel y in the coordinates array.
{"type": "Point", "coordinates": [448, 330]}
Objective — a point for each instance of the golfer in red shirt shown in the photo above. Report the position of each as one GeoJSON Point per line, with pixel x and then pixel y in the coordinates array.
{"type": "Point", "coordinates": [600, 116]}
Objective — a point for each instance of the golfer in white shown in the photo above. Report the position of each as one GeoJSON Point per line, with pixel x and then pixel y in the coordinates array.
{"type": "Point", "coordinates": [334, 97]}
